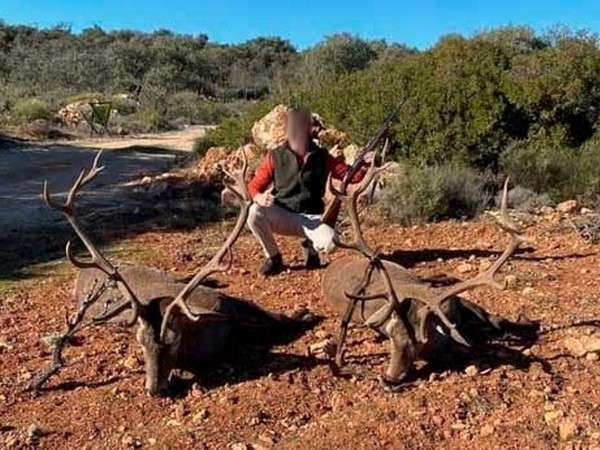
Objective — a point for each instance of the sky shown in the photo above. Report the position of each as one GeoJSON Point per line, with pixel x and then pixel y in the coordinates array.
{"type": "Point", "coordinates": [418, 23]}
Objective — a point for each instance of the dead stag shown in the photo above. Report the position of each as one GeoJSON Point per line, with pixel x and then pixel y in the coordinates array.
{"type": "Point", "coordinates": [180, 325]}
{"type": "Point", "coordinates": [419, 319]}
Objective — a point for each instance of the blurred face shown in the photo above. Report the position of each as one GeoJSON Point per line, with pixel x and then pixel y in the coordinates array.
{"type": "Point", "coordinates": [298, 130]}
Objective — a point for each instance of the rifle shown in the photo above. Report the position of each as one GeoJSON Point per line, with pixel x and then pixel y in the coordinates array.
{"type": "Point", "coordinates": [332, 210]}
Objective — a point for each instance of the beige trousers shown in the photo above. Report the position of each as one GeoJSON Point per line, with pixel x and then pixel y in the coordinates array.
{"type": "Point", "coordinates": [265, 222]}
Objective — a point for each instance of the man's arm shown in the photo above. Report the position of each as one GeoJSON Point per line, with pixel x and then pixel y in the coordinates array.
{"type": "Point", "coordinates": [263, 176]}
{"type": "Point", "coordinates": [258, 188]}
{"type": "Point", "coordinates": [338, 169]}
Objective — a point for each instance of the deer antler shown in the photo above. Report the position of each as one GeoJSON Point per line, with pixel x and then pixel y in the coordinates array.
{"type": "Point", "coordinates": [223, 259]}
{"type": "Point", "coordinates": [97, 260]}
{"type": "Point", "coordinates": [487, 278]}
{"type": "Point", "coordinates": [359, 244]}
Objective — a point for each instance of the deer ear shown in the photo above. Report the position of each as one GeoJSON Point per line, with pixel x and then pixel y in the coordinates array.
{"type": "Point", "coordinates": [200, 312]}
{"type": "Point", "coordinates": [208, 314]}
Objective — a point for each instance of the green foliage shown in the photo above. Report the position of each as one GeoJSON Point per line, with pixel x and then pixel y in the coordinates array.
{"type": "Point", "coordinates": [525, 199]}
{"type": "Point", "coordinates": [432, 193]}
{"type": "Point", "coordinates": [233, 131]}
{"type": "Point", "coordinates": [86, 97]}
{"type": "Point", "coordinates": [546, 165]}
{"type": "Point", "coordinates": [195, 108]}
{"type": "Point", "coordinates": [31, 109]}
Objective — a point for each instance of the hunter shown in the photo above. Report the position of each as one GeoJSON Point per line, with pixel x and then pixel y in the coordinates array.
{"type": "Point", "coordinates": [288, 190]}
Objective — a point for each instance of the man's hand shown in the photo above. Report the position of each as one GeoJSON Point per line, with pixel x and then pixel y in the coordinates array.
{"type": "Point", "coordinates": [265, 199]}
{"type": "Point", "coordinates": [368, 158]}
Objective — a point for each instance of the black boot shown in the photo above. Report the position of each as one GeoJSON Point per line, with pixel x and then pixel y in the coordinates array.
{"type": "Point", "coordinates": [272, 266]}
{"type": "Point", "coordinates": [311, 257]}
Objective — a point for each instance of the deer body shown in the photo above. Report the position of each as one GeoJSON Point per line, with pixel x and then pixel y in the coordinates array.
{"type": "Point", "coordinates": [187, 344]}
{"type": "Point", "coordinates": [406, 345]}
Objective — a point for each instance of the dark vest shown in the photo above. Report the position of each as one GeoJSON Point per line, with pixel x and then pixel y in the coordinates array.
{"type": "Point", "coordinates": [300, 189]}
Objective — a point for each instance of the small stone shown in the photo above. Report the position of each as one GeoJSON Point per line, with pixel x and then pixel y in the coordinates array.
{"type": "Point", "coordinates": [325, 347]}
{"type": "Point", "coordinates": [486, 430]}
{"type": "Point", "coordinates": [322, 334]}
{"type": "Point", "coordinates": [551, 417]}
{"type": "Point", "coordinates": [34, 431]}
{"type": "Point", "coordinates": [485, 265]}
{"type": "Point", "coordinates": [567, 207]}
{"type": "Point", "coordinates": [437, 420]}
{"type": "Point", "coordinates": [267, 439]}
{"type": "Point", "coordinates": [239, 446]}
{"type": "Point", "coordinates": [510, 280]}
{"type": "Point", "coordinates": [151, 441]}
{"type": "Point", "coordinates": [581, 345]}
{"type": "Point", "coordinates": [546, 210]}
{"type": "Point", "coordinates": [585, 211]}
{"type": "Point", "coordinates": [132, 362]}
{"type": "Point", "coordinates": [592, 356]}
{"type": "Point", "coordinates": [471, 370]}
{"type": "Point", "coordinates": [173, 423]}
{"type": "Point", "coordinates": [567, 430]}
{"type": "Point", "coordinates": [50, 340]}
{"type": "Point", "coordinates": [528, 291]}
{"type": "Point", "coordinates": [201, 415]}
{"type": "Point", "coordinates": [464, 268]}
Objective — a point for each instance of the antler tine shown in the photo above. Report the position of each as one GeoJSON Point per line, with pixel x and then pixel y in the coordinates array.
{"type": "Point", "coordinates": [77, 262]}
{"type": "Point", "coordinates": [97, 261]}
{"type": "Point", "coordinates": [84, 178]}
{"type": "Point", "coordinates": [239, 187]}
{"type": "Point", "coordinates": [216, 263]}
{"type": "Point", "coordinates": [488, 277]}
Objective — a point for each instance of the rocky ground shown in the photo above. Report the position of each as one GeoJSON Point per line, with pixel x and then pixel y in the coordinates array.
{"type": "Point", "coordinates": [289, 400]}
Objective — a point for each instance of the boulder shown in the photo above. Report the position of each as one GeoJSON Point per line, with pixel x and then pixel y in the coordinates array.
{"type": "Point", "coordinates": [330, 137]}
{"type": "Point", "coordinates": [581, 345]}
{"type": "Point", "coordinates": [269, 131]}
{"type": "Point", "coordinates": [212, 160]}
{"type": "Point", "coordinates": [350, 152]}
{"type": "Point", "coordinates": [567, 207]}
{"type": "Point", "coordinates": [71, 115]}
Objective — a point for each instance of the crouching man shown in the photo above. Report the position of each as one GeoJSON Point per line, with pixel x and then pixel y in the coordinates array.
{"type": "Point", "coordinates": [288, 190]}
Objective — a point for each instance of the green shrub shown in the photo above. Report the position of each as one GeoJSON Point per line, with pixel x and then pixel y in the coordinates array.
{"type": "Point", "coordinates": [233, 131]}
{"type": "Point", "coordinates": [124, 105]}
{"type": "Point", "coordinates": [525, 199]}
{"type": "Point", "coordinates": [86, 97]}
{"type": "Point", "coordinates": [418, 194]}
{"type": "Point", "coordinates": [31, 109]}
{"type": "Point", "coordinates": [546, 164]}
{"type": "Point", "coordinates": [195, 108]}
{"type": "Point", "coordinates": [202, 144]}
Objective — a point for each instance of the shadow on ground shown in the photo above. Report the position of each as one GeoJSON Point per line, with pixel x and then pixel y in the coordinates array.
{"type": "Point", "coordinates": [411, 258]}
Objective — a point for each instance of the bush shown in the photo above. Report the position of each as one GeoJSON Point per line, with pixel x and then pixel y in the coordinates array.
{"type": "Point", "coordinates": [86, 97]}
{"type": "Point", "coordinates": [31, 109]}
{"type": "Point", "coordinates": [547, 165]}
{"type": "Point", "coordinates": [195, 108]}
{"type": "Point", "coordinates": [431, 193]}
{"type": "Point", "coordinates": [524, 199]}
{"type": "Point", "coordinates": [233, 131]}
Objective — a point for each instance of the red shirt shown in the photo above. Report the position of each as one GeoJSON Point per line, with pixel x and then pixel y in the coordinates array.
{"type": "Point", "coordinates": [265, 172]}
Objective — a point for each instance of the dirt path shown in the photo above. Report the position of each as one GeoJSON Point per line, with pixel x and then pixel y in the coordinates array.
{"type": "Point", "coordinates": [25, 219]}
{"type": "Point", "coordinates": [182, 140]}
{"type": "Point", "coordinates": [549, 399]}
